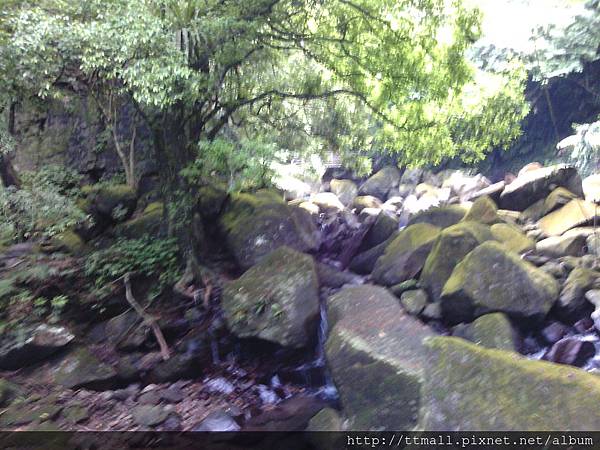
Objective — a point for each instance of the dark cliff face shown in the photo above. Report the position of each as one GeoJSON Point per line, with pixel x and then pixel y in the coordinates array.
{"type": "Point", "coordinates": [554, 109]}
{"type": "Point", "coordinates": [70, 133]}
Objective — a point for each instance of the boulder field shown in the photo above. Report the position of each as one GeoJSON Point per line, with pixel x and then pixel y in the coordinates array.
{"type": "Point", "coordinates": [414, 300]}
{"type": "Point", "coordinates": [477, 307]}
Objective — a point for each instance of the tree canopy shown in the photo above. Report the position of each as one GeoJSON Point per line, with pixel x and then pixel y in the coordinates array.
{"type": "Point", "coordinates": [389, 75]}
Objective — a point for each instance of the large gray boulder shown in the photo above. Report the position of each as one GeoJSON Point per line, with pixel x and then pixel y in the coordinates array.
{"type": "Point", "coordinates": [381, 183]}
{"type": "Point", "coordinates": [256, 224]}
{"type": "Point", "coordinates": [492, 278]}
{"type": "Point", "coordinates": [468, 387]}
{"type": "Point", "coordinates": [376, 356]}
{"type": "Point", "coordinates": [534, 185]}
{"type": "Point", "coordinates": [405, 255]}
{"type": "Point", "coordinates": [277, 300]}
{"type": "Point", "coordinates": [345, 190]}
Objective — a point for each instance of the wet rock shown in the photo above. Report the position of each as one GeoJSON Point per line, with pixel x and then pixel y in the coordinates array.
{"type": "Point", "coordinates": [345, 190]}
{"type": "Point", "coordinates": [327, 201]}
{"type": "Point", "coordinates": [384, 226]}
{"type": "Point", "coordinates": [148, 415]}
{"type": "Point", "coordinates": [217, 421]}
{"type": "Point", "coordinates": [405, 256]}
{"type": "Point", "coordinates": [276, 300]}
{"type": "Point", "coordinates": [414, 301]}
{"type": "Point", "coordinates": [220, 385]}
{"type": "Point", "coordinates": [374, 375]}
{"type": "Point", "coordinates": [452, 245]}
{"type": "Point", "coordinates": [585, 325]}
{"type": "Point", "coordinates": [468, 387]}
{"type": "Point", "coordinates": [557, 246]}
{"type": "Point", "coordinates": [512, 237]}
{"type": "Point", "coordinates": [257, 224]}
{"type": "Point", "coordinates": [490, 278]}
{"type": "Point", "coordinates": [381, 183]}
{"type": "Point", "coordinates": [172, 395]}
{"type": "Point", "coordinates": [366, 201]}
{"type": "Point", "coordinates": [554, 332]}
{"type": "Point", "coordinates": [491, 331]}
{"type": "Point", "coordinates": [81, 369]}
{"type": "Point", "coordinates": [28, 345]}
{"type": "Point", "coordinates": [441, 217]}
{"type": "Point", "coordinates": [572, 303]}
{"type": "Point", "coordinates": [572, 351]}
{"type": "Point", "coordinates": [535, 185]}
{"type": "Point", "coordinates": [483, 210]}
{"type": "Point", "coordinates": [149, 398]}
{"type": "Point", "coordinates": [574, 214]}
{"type": "Point", "coordinates": [332, 277]}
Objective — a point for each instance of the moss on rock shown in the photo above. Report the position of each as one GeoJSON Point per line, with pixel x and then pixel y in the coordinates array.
{"type": "Point", "coordinates": [256, 224]}
{"type": "Point", "coordinates": [491, 278]}
{"type": "Point", "coordinates": [405, 255]}
{"type": "Point", "coordinates": [452, 245]}
{"type": "Point", "coordinates": [512, 237]}
{"type": "Point", "coordinates": [277, 300]}
{"type": "Point", "coordinates": [442, 217]}
{"type": "Point", "coordinates": [483, 210]}
{"type": "Point", "coordinates": [491, 331]}
{"type": "Point", "coordinates": [148, 222]}
{"type": "Point", "coordinates": [379, 380]}
{"type": "Point", "coordinates": [574, 214]}
{"type": "Point", "coordinates": [468, 387]}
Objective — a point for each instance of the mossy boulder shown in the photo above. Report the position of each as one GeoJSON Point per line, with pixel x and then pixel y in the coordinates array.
{"type": "Point", "coordinates": [558, 197]}
{"type": "Point", "coordinates": [81, 369]}
{"type": "Point", "coordinates": [572, 304]}
{"type": "Point", "coordinates": [414, 301]}
{"type": "Point", "coordinates": [385, 225]}
{"type": "Point", "coordinates": [277, 300]}
{"type": "Point", "coordinates": [490, 330]}
{"type": "Point", "coordinates": [366, 202]}
{"type": "Point", "coordinates": [381, 183]}
{"type": "Point", "coordinates": [148, 222]}
{"type": "Point", "coordinates": [452, 245]}
{"type": "Point", "coordinates": [574, 214]}
{"type": "Point", "coordinates": [378, 379]}
{"type": "Point", "coordinates": [442, 217]}
{"type": "Point", "coordinates": [492, 278]}
{"type": "Point", "coordinates": [345, 190]}
{"type": "Point", "coordinates": [468, 387]}
{"type": "Point", "coordinates": [69, 241]}
{"type": "Point", "coordinates": [483, 210]}
{"type": "Point", "coordinates": [256, 224]}
{"type": "Point", "coordinates": [112, 202]}
{"type": "Point", "coordinates": [405, 256]}
{"type": "Point", "coordinates": [534, 185]}
{"type": "Point", "coordinates": [512, 237]}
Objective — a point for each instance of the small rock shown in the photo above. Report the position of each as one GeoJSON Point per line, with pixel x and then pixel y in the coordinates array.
{"type": "Point", "coordinates": [414, 301]}
{"type": "Point", "coordinates": [149, 398]}
{"type": "Point", "coordinates": [172, 395]}
{"type": "Point", "coordinates": [571, 351]}
{"type": "Point", "coordinates": [149, 416]}
{"type": "Point", "coordinates": [584, 325]}
{"type": "Point", "coordinates": [555, 332]}
{"type": "Point", "coordinates": [217, 421]}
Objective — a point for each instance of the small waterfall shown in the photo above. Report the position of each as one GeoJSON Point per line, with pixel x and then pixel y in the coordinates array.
{"type": "Point", "coordinates": [321, 334]}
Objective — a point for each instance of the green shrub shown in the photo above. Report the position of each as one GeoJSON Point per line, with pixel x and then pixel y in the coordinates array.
{"type": "Point", "coordinates": [36, 212]}
{"type": "Point", "coordinates": [59, 179]}
{"type": "Point", "coordinates": [146, 256]}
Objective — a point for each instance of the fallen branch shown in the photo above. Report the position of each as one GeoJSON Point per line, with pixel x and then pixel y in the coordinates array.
{"type": "Point", "coordinates": [148, 320]}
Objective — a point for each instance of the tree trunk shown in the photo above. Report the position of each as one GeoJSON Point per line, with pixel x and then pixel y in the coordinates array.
{"type": "Point", "coordinates": [8, 175]}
